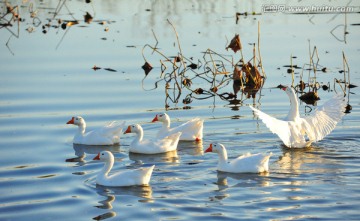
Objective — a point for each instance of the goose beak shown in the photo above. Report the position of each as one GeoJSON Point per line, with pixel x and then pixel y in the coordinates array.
{"type": "Point", "coordinates": [71, 121]}
{"type": "Point", "coordinates": [209, 149]}
{"type": "Point", "coordinates": [128, 130]}
{"type": "Point", "coordinates": [97, 157]}
{"type": "Point", "coordinates": [155, 119]}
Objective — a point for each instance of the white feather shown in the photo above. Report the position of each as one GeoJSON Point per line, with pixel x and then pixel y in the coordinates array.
{"type": "Point", "coordinates": [300, 132]}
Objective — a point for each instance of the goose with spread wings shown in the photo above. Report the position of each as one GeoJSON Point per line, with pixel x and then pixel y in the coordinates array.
{"type": "Point", "coordinates": [298, 132]}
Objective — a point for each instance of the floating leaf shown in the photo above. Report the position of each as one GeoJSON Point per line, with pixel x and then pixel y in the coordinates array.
{"type": "Point", "coordinates": [71, 23]}
{"type": "Point", "coordinates": [235, 44]}
{"type": "Point", "coordinates": [68, 24]}
{"type": "Point", "coordinates": [95, 68]}
{"type": "Point", "coordinates": [88, 18]}
{"type": "Point", "coordinates": [351, 86]}
{"type": "Point", "coordinates": [147, 68]}
{"type": "Point", "coordinates": [110, 69]}
{"type": "Point", "coordinates": [193, 66]}
{"type": "Point", "coordinates": [293, 66]}
{"type": "Point", "coordinates": [348, 108]}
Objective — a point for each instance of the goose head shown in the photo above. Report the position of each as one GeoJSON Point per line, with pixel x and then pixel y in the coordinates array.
{"type": "Point", "coordinates": [135, 128]}
{"type": "Point", "coordinates": [215, 148]}
{"type": "Point", "coordinates": [104, 156]}
{"type": "Point", "coordinates": [288, 90]}
{"type": "Point", "coordinates": [79, 121]}
{"type": "Point", "coordinates": [161, 117]}
{"type": "Point", "coordinates": [291, 94]}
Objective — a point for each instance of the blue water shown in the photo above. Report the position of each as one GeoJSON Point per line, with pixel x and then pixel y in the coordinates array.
{"type": "Point", "coordinates": [45, 81]}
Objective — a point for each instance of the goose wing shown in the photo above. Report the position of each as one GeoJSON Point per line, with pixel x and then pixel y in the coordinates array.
{"type": "Point", "coordinates": [113, 127]}
{"type": "Point", "coordinates": [169, 141]}
{"type": "Point", "coordinates": [279, 127]}
{"type": "Point", "coordinates": [324, 119]}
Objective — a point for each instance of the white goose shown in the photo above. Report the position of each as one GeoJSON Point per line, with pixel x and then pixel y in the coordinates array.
{"type": "Point", "coordinates": [139, 145]}
{"type": "Point", "coordinates": [297, 132]}
{"type": "Point", "coordinates": [248, 163]}
{"type": "Point", "coordinates": [106, 135]}
{"type": "Point", "coordinates": [133, 177]}
{"type": "Point", "coordinates": [191, 130]}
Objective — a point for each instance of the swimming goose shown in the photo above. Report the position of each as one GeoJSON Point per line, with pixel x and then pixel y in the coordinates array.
{"type": "Point", "coordinates": [191, 130]}
{"type": "Point", "coordinates": [106, 135]}
{"type": "Point", "coordinates": [140, 145]}
{"type": "Point", "coordinates": [248, 163]}
{"type": "Point", "coordinates": [130, 177]}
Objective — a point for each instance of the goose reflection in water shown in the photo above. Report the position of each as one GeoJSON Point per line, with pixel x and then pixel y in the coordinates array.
{"type": "Point", "coordinates": [312, 159]}
{"type": "Point", "coordinates": [168, 157]}
{"type": "Point", "coordinates": [292, 159]}
{"type": "Point", "coordinates": [185, 147]}
{"type": "Point", "coordinates": [81, 151]}
{"type": "Point", "coordinates": [191, 148]}
{"type": "Point", "coordinates": [242, 180]}
{"type": "Point", "coordinates": [144, 193]}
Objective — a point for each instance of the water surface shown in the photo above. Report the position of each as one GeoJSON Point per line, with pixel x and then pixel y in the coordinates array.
{"type": "Point", "coordinates": [46, 80]}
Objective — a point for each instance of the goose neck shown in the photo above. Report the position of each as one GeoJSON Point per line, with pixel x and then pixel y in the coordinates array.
{"type": "Point", "coordinates": [107, 167]}
{"type": "Point", "coordinates": [166, 124]}
{"type": "Point", "coordinates": [139, 135]}
{"type": "Point", "coordinates": [223, 156]}
{"type": "Point", "coordinates": [294, 107]}
{"type": "Point", "coordinates": [82, 128]}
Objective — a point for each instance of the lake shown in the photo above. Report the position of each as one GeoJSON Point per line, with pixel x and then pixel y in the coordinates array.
{"type": "Point", "coordinates": [70, 58]}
